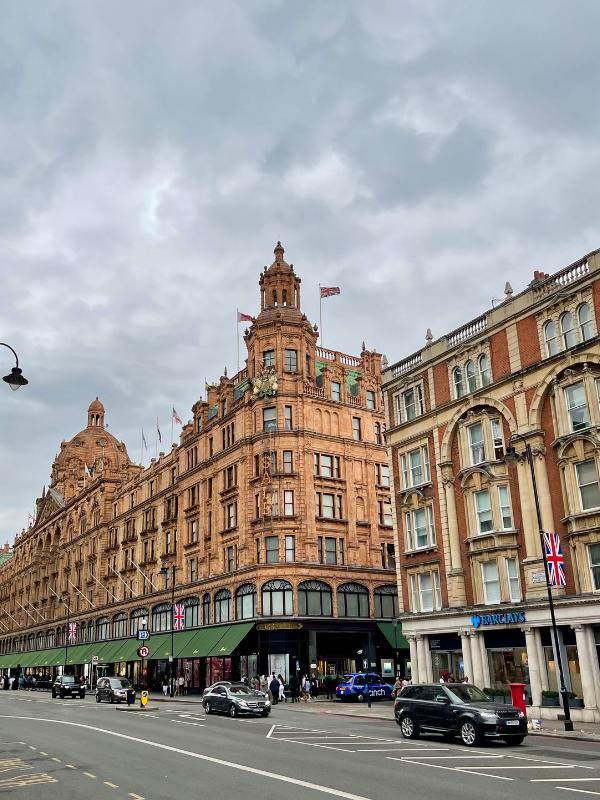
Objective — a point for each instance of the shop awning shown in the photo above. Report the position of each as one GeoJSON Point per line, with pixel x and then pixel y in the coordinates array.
{"type": "Point", "coordinates": [123, 650]}
{"type": "Point", "coordinates": [393, 633]}
{"type": "Point", "coordinates": [232, 636]}
{"type": "Point", "coordinates": [77, 654]}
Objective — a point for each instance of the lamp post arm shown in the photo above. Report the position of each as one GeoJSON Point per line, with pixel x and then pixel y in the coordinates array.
{"type": "Point", "coordinates": [13, 351]}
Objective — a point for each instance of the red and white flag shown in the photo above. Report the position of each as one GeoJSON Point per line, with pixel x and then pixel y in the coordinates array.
{"type": "Point", "coordinates": [72, 631]}
{"type": "Point", "coordinates": [178, 616]}
{"type": "Point", "coordinates": [244, 317]}
{"type": "Point", "coordinates": [328, 291]}
{"type": "Point", "coordinates": [176, 417]}
{"type": "Point", "coordinates": [555, 559]}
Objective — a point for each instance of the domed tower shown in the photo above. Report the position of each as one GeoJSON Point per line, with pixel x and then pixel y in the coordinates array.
{"type": "Point", "coordinates": [96, 414]}
{"type": "Point", "coordinates": [281, 338]}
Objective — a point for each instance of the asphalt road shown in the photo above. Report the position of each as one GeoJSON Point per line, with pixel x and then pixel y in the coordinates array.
{"type": "Point", "coordinates": [58, 750]}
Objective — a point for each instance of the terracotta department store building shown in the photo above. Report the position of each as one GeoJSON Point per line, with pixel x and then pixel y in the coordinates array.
{"type": "Point", "coordinates": [274, 509]}
{"type": "Point", "coordinates": [470, 567]}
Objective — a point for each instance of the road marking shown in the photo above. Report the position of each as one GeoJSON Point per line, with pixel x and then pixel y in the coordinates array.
{"type": "Point", "coordinates": [493, 766]}
{"type": "Point", "coordinates": [30, 746]}
{"type": "Point", "coordinates": [452, 769]}
{"type": "Point", "coordinates": [201, 756]}
{"type": "Point", "coordinates": [392, 749]}
{"type": "Point", "coordinates": [89, 774]}
{"type": "Point", "coordinates": [183, 722]}
{"type": "Point", "coordinates": [271, 729]}
{"type": "Point", "coordinates": [70, 766]}
{"type": "Point", "coordinates": [564, 780]}
{"type": "Point", "coordinates": [136, 796]}
{"type": "Point", "coordinates": [573, 789]}
{"type": "Point", "coordinates": [112, 785]}
{"type": "Point", "coordinates": [42, 753]}
{"type": "Point", "coordinates": [457, 758]}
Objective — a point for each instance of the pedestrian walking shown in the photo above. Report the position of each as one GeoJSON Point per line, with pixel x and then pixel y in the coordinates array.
{"type": "Point", "coordinates": [282, 697]}
{"type": "Point", "coordinates": [294, 685]}
{"type": "Point", "coordinates": [180, 685]}
{"type": "Point", "coordinates": [165, 686]}
{"type": "Point", "coordinates": [396, 689]}
{"type": "Point", "coordinates": [274, 689]}
{"type": "Point", "coordinates": [314, 687]}
{"type": "Point", "coordinates": [305, 689]}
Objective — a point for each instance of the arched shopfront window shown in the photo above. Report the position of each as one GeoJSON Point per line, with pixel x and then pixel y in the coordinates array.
{"type": "Point", "coordinates": [206, 609]}
{"type": "Point", "coordinates": [90, 630]}
{"type": "Point", "coordinates": [314, 599]}
{"type": "Point", "coordinates": [352, 600]}
{"type": "Point", "coordinates": [386, 602]}
{"type": "Point", "coordinates": [245, 601]}
{"type": "Point", "coordinates": [119, 626]}
{"type": "Point", "coordinates": [138, 615]}
{"type": "Point", "coordinates": [161, 617]}
{"type": "Point", "coordinates": [277, 599]}
{"type": "Point", "coordinates": [223, 606]}
{"type": "Point", "coordinates": [192, 612]}
{"type": "Point", "coordinates": [102, 628]}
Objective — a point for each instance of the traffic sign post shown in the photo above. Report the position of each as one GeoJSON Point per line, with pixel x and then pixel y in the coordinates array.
{"type": "Point", "coordinates": [143, 635]}
{"type": "Point", "coordinates": [143, 698]}
{"type": "Point", "coordinates": [143, 652]}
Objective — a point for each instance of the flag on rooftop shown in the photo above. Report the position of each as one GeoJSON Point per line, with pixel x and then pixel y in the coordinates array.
{"type": "Point", "coordinates": [176, 417]}
{"type": "Point", "coordinates": [244, 317]}
{"type": "Point", "coordinates": [328, 291]}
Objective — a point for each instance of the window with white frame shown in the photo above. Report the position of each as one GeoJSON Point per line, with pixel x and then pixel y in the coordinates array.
{"type": "Point", "coordinates": [497, 438]}
{"type": "Point", "coordinates": [594, 559]}
{"type": "Point", "coordinates": [471, 376]}
{"type": "Point", "coordinates": [512, 574]}
{"type": "Point", "coordinates": [484, 370]}
{"type": "Point", "coordinates": [409, 405]}
{"type": "Point", "coordinates": [414, 466]}
{"type": "Point", "coordinates": [505, 508]}
{"type": "Point", "coordinates": [288, 503]}
{"type": "Point", "coordinates": [419, 528]}
{"type": "Point", "coordinates": [476, 443]}
{"type": "Point", "coordinates": [550, 338]}
{"type": "Point", "coordinates": [457, 379]}
{"type": "Point", "coordinates": [566, 330]}
{"type": "Point", "coordinates": [577, 407]}
{"type": "Point", "coordinates": [382, 475]}
{"type": "Point", "coordinates": [336, 391]}
{"type": "Point", "coordinates": [425, 592]}
{"type": "Point", "coordinates": [489, 515]}
{"type": "Point", "coordinates": [586, 326]}
{"type": "Point", "coordinates": [587, 481]}
{"type": "Point", "coordinates": [491, 582]}
{"type": "Point", "coordinates": [483, 511]}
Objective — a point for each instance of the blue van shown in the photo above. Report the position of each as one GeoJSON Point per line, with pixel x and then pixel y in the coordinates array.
{"type": "Point", "coordinates": [355, 685]}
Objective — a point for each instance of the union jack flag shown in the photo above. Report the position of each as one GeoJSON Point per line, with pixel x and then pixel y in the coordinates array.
{"type": "Point", "coordinates": [555, 559]}
{"type": "Point", "coordinates": [72, 631]}
{"type": "Point", "coordinates": [329, 291]}
{"type": "Point", "coordinates": [178, 616]}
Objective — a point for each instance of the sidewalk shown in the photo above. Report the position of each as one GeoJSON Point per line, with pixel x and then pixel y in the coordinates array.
{"type": "Point", "coordinates": [584, 731]}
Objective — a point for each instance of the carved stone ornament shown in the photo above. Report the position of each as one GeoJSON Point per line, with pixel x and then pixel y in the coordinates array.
{"type": "Point", "coordinates": [265, 384]}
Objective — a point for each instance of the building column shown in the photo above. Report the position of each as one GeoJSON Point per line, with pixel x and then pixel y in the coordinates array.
{"type": "Point", "coordinates": [465, 640]}
{"type": "Point", "coordinates": [594, 665]}
{"type": "Point", "coordinates": [455, 581]}
{"type": "Point", "coordinates": [588, 677]}
{"type": "Point", "coordinates": [541, 659]}
{"type": "Point", "coordinates": [414, 659]}
{"type": "Point", "coordinates": [422, 657]}
{"type": "Point", "coordinates": [533, 663]}
{"type": "Point", "coordinates": [528, 514]}
{"type": "Point", "coordinates": [541, 474]}
{"type": "Point", "coordinates": [485, 662]}
{"type": "Point", "coordinates": [477, 665]}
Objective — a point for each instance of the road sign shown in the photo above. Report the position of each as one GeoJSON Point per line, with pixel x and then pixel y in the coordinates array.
{"type": "Point", "coordinates": [143, 634]}
{"type": "Point", "coordinates": [94, 660]}
{"type": "Point", "coordinates": [143, 651]}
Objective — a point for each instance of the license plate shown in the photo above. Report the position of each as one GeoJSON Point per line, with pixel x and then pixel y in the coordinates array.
{"type": "Point", "coordinates": [512, 722]}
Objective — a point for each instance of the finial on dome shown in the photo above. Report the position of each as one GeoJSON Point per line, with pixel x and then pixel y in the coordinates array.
{"type": "Point", "coordinates": [279, 251]}
{"type": "Point", "coordinates": [508, 290]}
{"type": "Point", "coordinates": [429, 336]}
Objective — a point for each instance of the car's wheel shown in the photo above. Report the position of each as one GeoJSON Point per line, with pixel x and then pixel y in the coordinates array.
{"type": "Point", "coordinates": [233, 712]}
{"type": "Point", "coordinates": [408, 727]}
{"type": "Point", "coordinates": [53, 694]}
{"type": "Point", "coordinates": [514, 739]}
{"type": "Point", "coordinates": [97, 698]}
{"type": "Point", "coordinates": [265, 713]}
{"type": "Point", "coordinates": [469, 733]}
{"type": "Point", "coordinates": [360, 698]}
{"type": "Point", "coordinates": [207, 708]}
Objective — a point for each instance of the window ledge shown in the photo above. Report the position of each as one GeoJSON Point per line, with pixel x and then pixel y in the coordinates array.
{"type": "Point", "coordinates": [419, 551]}
{"type": "Point", "coordinates": [416, 487]}
{"type": "Point", "coordinates": [589, 512]}
{"type": "Point", "coordinates": [188, 545]}
{"type": "Point", "coordinates": [331, 519]}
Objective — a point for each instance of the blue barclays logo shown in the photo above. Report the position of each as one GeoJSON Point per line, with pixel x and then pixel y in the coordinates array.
{"type": "Point", "coordinates": [505, 618]}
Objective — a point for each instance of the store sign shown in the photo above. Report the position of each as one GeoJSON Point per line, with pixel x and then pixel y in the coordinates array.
{"type": "Point", "coordinates": [278, 626]}
{"type": "Point", "coordinates": [505, 618]}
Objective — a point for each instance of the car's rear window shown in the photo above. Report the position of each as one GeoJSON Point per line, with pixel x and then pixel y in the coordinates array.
{"type": "Point", "coordinates": [119, 683]}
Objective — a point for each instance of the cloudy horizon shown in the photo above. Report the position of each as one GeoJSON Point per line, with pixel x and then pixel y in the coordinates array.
{"type": "Point", "coordinates": [417, 154]}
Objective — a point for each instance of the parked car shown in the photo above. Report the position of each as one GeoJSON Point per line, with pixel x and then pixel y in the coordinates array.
{"type": "Point", "coordinates": [457, 709]}
{"type": "Point", "coordinates": [115, 690]}
{"type": "Point", "coordinates": [235, 698]}
{"type": "Point", "coordinates": [68, 686]}
{"type": "Point", "coordinates": [358, 685]}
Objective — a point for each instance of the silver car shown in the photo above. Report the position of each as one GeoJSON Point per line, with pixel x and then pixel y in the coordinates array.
{"type": "Point", "coordinates": [235, 699]}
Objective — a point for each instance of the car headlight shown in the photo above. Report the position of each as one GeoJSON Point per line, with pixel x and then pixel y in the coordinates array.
{"type": "Point", "coordinates": [488, 714]}
{"type": "Point", "coordinates": [242, 702]}
{"type": "Point", "coordinates": [267, 702]}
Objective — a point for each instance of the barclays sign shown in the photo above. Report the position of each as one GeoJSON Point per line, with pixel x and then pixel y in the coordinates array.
{"type": "Point", "coordinates": [504, 618]}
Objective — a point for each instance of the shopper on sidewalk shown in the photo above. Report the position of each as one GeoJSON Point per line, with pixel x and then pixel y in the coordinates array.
{"type": "Point", "coordinates": [294, 685]}
{"type": "Point", "coordinates": [274, 689]}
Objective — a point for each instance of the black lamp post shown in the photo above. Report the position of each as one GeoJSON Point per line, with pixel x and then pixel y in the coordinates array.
{"type": "Point", "coordinates": [66, 605]}
{"type": "Point", "coordinates": [16, 379]}
{"type": "Point", "coordinates": [511, 455]}
{"type": "Point", "coordinates": [165, 571]}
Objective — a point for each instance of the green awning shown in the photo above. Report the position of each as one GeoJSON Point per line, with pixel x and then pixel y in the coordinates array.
{"type": "Point", "coordinates": [77, 654]}
{"type": "Point", "coordinates": [123, 650]}
{"type": "Point", "coordinates": [203, 641]}
{"type": "Point", "coordinates": [393, 633]}
{"type": "Point", "coordinates": [232, 636]}
{"type": "Point", "coordinates": [184, 644]}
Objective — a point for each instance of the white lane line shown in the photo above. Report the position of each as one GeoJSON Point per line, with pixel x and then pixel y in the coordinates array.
{"type": "Point", "coordinates": [326, 746]}
{"type": "Point", "coordinates": [200, 756]}
{"type": "Point", "coordinates": [452, 769]}
{"type": "Point", "coordinates": [89, 774]}
{"type": "Point", "coordinates": [271, 729]}
{"type": "Point", "coordinates": [183, 722]}
{"type": "Point", "coordinates": [112, 785]}
{"type": "Point", "coordinates": [56, 759]}
{"type": "Point", "coordinates": [564, 780]}
{"type": "Point", "coordinates": [42, 753]}
{"type": "Point", "coordinates": [456, 758]}
{"type": "Point", "coordinates": [494, 766]}
{"type": "Point", "coordinates": [136, 796]}
{"type": "Point", "coordinates": [573, 789]}
{"type": "Point", "coordinates": [391, 749]}
{"type": "Point", "coordinates": [545, 761]}
{"type": "Point", "coordinates": [70, 766]}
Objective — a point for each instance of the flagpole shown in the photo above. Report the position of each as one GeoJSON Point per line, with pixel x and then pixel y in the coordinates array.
{"type": "Point", "coordinates": [321, 315]}
{"type": "Point", "coordinates": [172, 426]}
{"type": "Point", "coordinates": [156, 440]}
{"type": "Point", "coordinates": [142, 450]}
{"type": "Point", "coordinates": [237, 336]}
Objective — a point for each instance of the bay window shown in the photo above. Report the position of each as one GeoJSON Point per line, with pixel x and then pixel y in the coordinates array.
{"type": "Point", "coordinates": [577, 407]}
{"type": "Point", "coordinates": [419, 528]}
{"type": "Point", "coordinates": [587, 481]}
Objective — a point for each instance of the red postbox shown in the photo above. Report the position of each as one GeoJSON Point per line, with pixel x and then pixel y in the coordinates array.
{"type": "Point", "coordinates": [517, 694]}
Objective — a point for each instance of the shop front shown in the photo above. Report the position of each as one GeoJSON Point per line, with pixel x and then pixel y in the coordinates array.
{"type": "Point", "coordinates": [446, 657]}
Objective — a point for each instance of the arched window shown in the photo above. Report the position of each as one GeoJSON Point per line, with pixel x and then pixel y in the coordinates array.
{"type": "Point", "coordinates": [471, 376]}
{"type": "Point", "coordinates": [550, 338]}
{"type": "Point", "coordinates": [458, 382]}
{"type": "Point", "coordinates": [135, 620]}
{"type": "Point", "coordinates": [119, 628]}
{"type": "Point", "coordinates": [314, 599]}
{"type": "Point", "coordinates": [566, 327]}
{"type": "Point", "coordinates": [223, 605]}
{"type": "Point", "coordinates": [161, 617]}
{"type": "Point", "coordinates": [352, 600]}
{"type": "Point", "coordinates": [484, 370]}
{"type": "Point", "coordinates": [90, 628]}
{"type": "Point", "coordinates": [386, 601]}
{"type": "Point", "coordinates": [284, 297]}
{"type": "Point", "coordinates": [82, 525]}
{"type": "Point", "coordinates": [277, 598]}
{"type": "Point", "coordinates": [102, 626]}
{"type": "Point", "coordinates": [83, 633]}
{"type": "Point", "coordinates": [245, 601]}
{"type": "Point", "coordinates": [192, 612]}
{"type": "Point", "coordinates": [584, 317]}
{"type": "Point", "coordinates": [206, 609]}
{"type": "Point", "coordinates": [50, 639]}
{"type": "Point", "coordinates": [274, 295]}
{"type": "Point", "coordinates": [31, 641]}
{"type": "Point", "coordinates": [41, 641]}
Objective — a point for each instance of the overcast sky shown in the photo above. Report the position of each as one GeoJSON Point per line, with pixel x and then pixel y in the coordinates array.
{"type": "Point", "coordinates": [417, 154]}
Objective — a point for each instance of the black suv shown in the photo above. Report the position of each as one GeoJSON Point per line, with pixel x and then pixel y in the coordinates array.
{"type": "Point", "coordinates": [68, 686]}
{"type": "Point", "coordinates": [457, 709]}
{"type": "Point", "coordinates": [115, 690]}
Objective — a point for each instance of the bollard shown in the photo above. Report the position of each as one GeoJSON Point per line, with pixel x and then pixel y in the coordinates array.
{"type": "Point", "coordinates": [143, 698]}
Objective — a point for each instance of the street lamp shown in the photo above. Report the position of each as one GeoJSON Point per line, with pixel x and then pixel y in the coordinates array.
{"type": "Point", "coordinates": [165, 571]}
{"type": "Point", "coordinates": [16, 379]}
{"type": "Point", "coordinates": [512, 455]}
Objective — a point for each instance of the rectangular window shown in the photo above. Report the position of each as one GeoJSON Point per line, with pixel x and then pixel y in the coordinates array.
{"type": "Point", "coordinates": [288, 426]}
{"type": "Point", "coordinates": [412, 404]}
{"type": "Point", "coordinates": [377, 433]}
{"type": "Point", "coordinates": [231, 515]}
{"type": "Point", "coordinates": [505, 509]}
{"type": "Point", "coordinates": [151, 489]}
{"type": "Point", "coordinates": [577, 406]}
{"type": "Point", "coordinates": [497, 438]}
{"type": "Point", "coordinates": [512, 573]}
{"type": "Point", "coordinates": [288, 503]}
{"type": "Point", "coordinates": [327, 509]}
{"type": "Point", "coordinates": [382, 475]}
{"type": "Point", "coordinates": [230, 558]}
{"type": "Point", "coordinates": [476, 444]}
{"type": "Point", "coordinates": [270, 419]}
{"type": "Point", "coordinates": [288, 462]}
{"type": "Point", "coordinates": [336, 391]}
{"type": "Point", "coordinates": [290, 360]}
{"type": "Point", "coordinates": [415, 467]}
{"type": "Point", "coordinates": [491, 582]}
{"type": "Point", "coordinates": [370, 400]}
{"type": "Point", "coordinates": [419, 527]}
{"type": "Point", "coordinates": [193, 570]}
{"type": "Point", "coordinates": [587, 480]}
{"type": "Point", "coordinates": [330, 550]}
{"type": "Point", "coordinates": [271, 549]}
{"type": "Point", "coordinates": [385, 513]}
{"type": "Point", "coordinates": [425, 591]}
{"type": "Point", "coordinates": [193, 531]}
{"type": "Point", "coordinates": [290, 549]}
{"type": "Point", "coordinates": [274, 504]}
{"type": "Point", "coordinates": [257, 506]}
{"type": "Point", "coordinates": [483, 510]}
{"type": "Point", "coordinates": [269, 358]}
{"type": "Point", "coordinates": [230, 477]}
{"type": "Point", "coordinates": [594, 557]}
{"type": "Point", "coordinates": [356, 433]}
